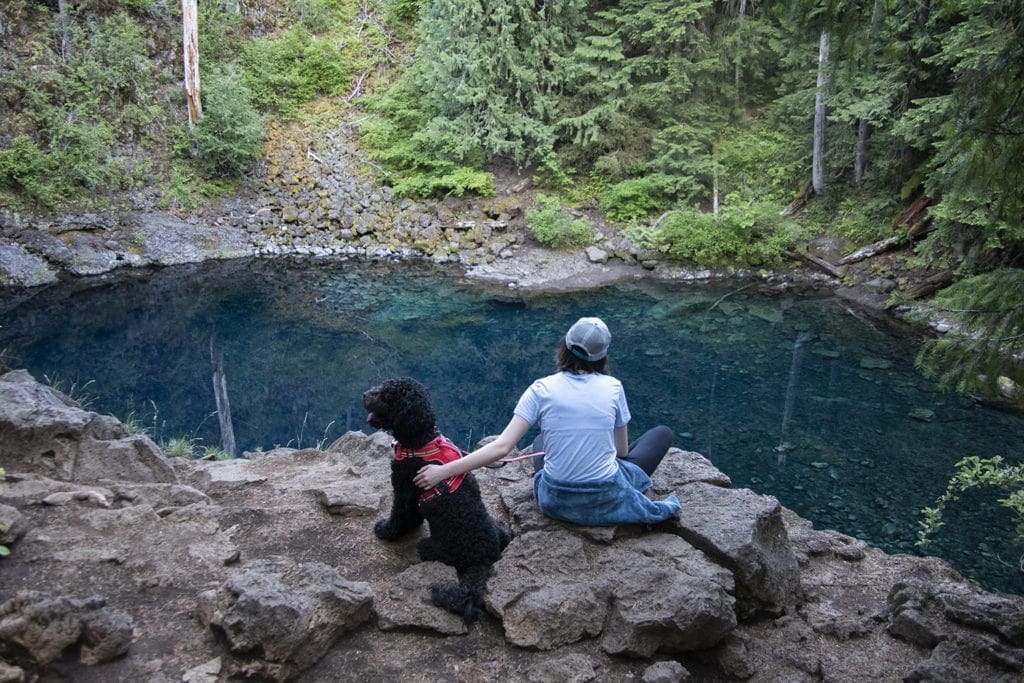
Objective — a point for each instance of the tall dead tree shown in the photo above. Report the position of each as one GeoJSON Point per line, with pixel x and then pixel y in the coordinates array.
{"type": "Point", "coordinates": [818, 162]}
{"type": "Point", "coordinates": [220, 395]}
{"type": "Point", "coordinates": [190, 53]}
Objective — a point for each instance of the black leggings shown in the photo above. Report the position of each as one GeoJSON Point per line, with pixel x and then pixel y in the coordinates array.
{"type": "Point", "coordinates": [646, 452]}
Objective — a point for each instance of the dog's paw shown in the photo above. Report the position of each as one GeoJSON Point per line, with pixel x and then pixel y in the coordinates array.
{"type": "Point", "coordinates": [386, 531]}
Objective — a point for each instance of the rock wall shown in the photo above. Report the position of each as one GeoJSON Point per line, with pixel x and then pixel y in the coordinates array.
{"type": "Point", "coordinates": [143, 567]}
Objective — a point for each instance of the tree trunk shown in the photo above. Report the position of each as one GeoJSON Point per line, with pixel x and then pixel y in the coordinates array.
{"type": "Point", "coordinates": [714, 181]}
{"type": "Point", "coordinates": [190, 54]}
{"type": "Point", "coordinates": [220, 395]}
{"type": "Point", "coordinates": [860, 162]}
{"type": "Point", "coordinates": [818, 163]}
{"type": "Point", "coordinates": [66, 48]}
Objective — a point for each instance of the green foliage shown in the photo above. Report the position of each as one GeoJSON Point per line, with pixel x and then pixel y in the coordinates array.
{"type": "Point", "coordinates": [973, 131]}
{"type": "Point", "coordinates": [751, 234]}
{"type": "Point", "coordinates": [26, 168]}
{"type": "Point", "coordinates": [975, 473]}
{"type": "Point", "coordinates": [74, 107]}
{"type": "Point", "coordinates": [229, 133]}
{"type": "Point", "coordinates": [636, 198]}
{"type": "Point", "coordinates": [990, 340]}
{"type": "Point", "coordinates": [134, 425]}
{"type": "Point", "coordinates": [73, 390]}
{"type": "Point", "coordinates": [215, 453]}
{"type": "Point", "coordinates": [397, 139]}
{"type": "Point", "coordinates": [552, 227]}
{"type": "Point", "coordinates": [286, 71]}
{"type": "Point", "coordinates": [179, 447]}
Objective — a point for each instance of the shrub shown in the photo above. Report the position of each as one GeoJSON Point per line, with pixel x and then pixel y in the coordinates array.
{"type": "Point", "coordinates": [976, 473]}
{"type": "Point", "coordinates": [287, 71]}
{"type": "Point", "coordinates": [753, 235]}
{"type": "Point", "coordinates": [26, 168]}
{"type": "Point", "coordinates": [553, 228]}
{"type": "Point", "coordinates": [635, 198]}
{"type": "Point", "coordinates": [179, 447]}
{"type": "Point", "coordinates": [229, 133]}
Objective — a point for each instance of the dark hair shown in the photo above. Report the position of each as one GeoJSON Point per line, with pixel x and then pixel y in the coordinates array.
{"type": "Point", "coordinates": [565, 361]}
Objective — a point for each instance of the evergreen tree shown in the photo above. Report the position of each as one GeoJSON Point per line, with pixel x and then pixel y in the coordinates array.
{"type": "Point", "coordinates": [974, 131]}
{"type": "Point", "coordinates": [490, 72]}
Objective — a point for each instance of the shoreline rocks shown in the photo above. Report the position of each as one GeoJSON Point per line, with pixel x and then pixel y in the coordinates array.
{"type": "Point", "coordinates": [251, 567]}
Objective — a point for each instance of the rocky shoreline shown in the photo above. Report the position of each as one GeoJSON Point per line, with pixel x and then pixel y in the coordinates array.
{"type": "Point", "coordinates": [314, 195]}
{"type": "Point", "coordinates": [128, 565]}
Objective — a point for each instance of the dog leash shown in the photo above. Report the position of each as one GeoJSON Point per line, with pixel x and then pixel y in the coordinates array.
{"type": "Point", "coordinates": [505, 461]}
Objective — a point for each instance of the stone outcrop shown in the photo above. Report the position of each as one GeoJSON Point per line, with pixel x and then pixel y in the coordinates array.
{"type": "Point", "coordinates": [267, 567]}
{"type": "Point", "coordinates": [283, 616]}
{"type": "Point", "coordinates": [45, 432]}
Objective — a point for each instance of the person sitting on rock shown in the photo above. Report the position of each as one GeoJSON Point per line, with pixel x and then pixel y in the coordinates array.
{"type": "Point", "coordinates": [586, 471]}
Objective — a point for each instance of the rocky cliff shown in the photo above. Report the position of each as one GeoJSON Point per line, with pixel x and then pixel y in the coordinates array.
{"type": "Point", "coordinates": [127, 565]}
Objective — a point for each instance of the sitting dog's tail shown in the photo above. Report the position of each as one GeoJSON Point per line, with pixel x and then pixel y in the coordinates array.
{"type": "Point", "coordinates": [465, 598]}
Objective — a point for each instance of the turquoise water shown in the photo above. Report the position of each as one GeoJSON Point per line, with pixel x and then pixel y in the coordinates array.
{"type": "Point", "coordinates": [794, 396]}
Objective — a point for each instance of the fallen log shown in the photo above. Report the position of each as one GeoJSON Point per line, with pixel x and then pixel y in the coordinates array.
{"type": "Point", "coordinates": [875, 249]}
{"type": "Point", "coordinates": [820, 263]}
{"type": "Point", "coordinates": [930, 285]}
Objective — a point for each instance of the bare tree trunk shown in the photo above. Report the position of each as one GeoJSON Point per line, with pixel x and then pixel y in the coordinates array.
{"type": "Point", "coordinates": [66, 48]}
{"type": "Point", "coordinates": [818, 163]}
{"type": "Point", "coordinates": [736, 63]}
{"type": "Point", "coordinates": [714, 182]}
{"type": "Point", "coordinates": [220, 395]}
{"type": "Point", "coordinates": [861, 161]}
{"type": "Point", "coordinates": [190, 54]}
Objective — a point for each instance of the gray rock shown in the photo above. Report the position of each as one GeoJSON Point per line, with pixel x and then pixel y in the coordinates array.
{"type": "Point", "coordinates": [348, 499]}
{"type": "Point", "coordinates": [667, 597]}
{"type": "Point", "coordinates": [13, 524]}
{"type": "Point", "coordinates": [665, 672]}
{"type": "Point", "coordinates": [642, 595]}
{"type": "Point", "coordinates": [406, 602]}
{"type": "Point", "coordinates": [44, 432]}
{"type": "Point", "coordinates": [680, 468]}
{"type": "Point", "coordinates": [280, 616]}
{"type": "Point", "coordinates": [572, 668]}
{"type": "Point", "coordinates": [596, 255]}
{"type": "Point", "coordinates": [46, 626]}
{"type": "Point", "coordinates": [21, 269]}
{"type": "Point", "coordinates": [744, 531]}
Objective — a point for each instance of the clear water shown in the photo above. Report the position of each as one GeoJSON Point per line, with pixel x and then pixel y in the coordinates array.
{"type": "Point", "coordinates": [794, 396]}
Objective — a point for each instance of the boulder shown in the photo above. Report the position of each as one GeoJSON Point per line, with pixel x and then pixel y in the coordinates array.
{"type": "Point", "coordinates": [44, 627]}
{"type": "Point", "coordinates": [641, 595]}
{"type": "Point", "coordinates": [406, 602]}
{"type": "Point", "coordinates": [45, 432]}
{"type": "Point", "coordinates": [680, 468]}
{"type": "Point", "coordinates": [744, 531]}
{"type": "Point", "coordinates": [279, 616]}
{"type": "Point", "coordinates": [964, 628]}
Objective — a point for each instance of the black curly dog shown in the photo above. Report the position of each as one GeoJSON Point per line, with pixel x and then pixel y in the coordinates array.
{"type": "Point", "coordinates": [462, 533]}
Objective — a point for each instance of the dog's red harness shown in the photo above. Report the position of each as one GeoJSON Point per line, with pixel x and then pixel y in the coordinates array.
{"type": "Point", "coordinates": [440, 451]}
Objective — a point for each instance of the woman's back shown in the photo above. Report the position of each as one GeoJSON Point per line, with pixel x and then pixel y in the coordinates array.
{"type": "Point", "coordinates": [577, 415]}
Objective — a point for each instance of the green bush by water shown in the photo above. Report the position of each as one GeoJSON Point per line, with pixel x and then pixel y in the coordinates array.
{"type": "Point", "coordinates": [552, 227]}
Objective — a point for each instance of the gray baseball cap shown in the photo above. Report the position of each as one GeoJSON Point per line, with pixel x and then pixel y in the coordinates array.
{"type": "Point", "coordinates": [588, 339]}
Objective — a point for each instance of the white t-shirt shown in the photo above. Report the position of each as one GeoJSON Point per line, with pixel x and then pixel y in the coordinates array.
{"type": "Point", "coordinates": [577, 416]}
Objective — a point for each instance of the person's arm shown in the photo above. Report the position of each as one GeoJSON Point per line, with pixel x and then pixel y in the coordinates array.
{"type": "Point", "coordinates": [621, 441]}
{"type": "Point", "coordinates": [429, 475]}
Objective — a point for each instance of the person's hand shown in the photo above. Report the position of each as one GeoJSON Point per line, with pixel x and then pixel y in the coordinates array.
{"type": "Point", "coordinates": [428, 476]}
